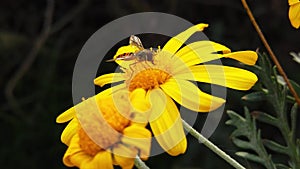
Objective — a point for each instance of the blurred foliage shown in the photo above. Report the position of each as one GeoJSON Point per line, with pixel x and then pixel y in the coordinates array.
{"type": "Point", "coordinates": [30, 138]}
{"type": "Point", "coordinates": [280, 115]}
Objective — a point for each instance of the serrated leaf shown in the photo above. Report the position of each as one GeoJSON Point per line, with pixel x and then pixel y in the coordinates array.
{"type": "Point", "coordinates": [242, 144]}
{"type": "Point", "coordinates": [275, 146]}
{"type": "Point", "coordinates": [255, 96]}
{"type": "Point", "coordinates": [239, 122]}
{"type": "Point", "coordinates": [265, 117]}
{"type": "Point", "coordinates": [251, 157]}
{"type": "Point", "coordinates": [235, 119]}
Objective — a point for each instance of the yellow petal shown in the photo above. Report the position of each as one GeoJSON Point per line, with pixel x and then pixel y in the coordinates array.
{"type": "Point", "coordinates": [294, 15]}
{"type": "Point", "coordinates": [69, 131]}
{"type": "Point", "coordinates": [176, 42]}
{"type": "Point", "coordinates": [71, 113]}
{"type": "Point", "coordinates": [195, 53]}
{"type": "Point", "coordinates": [190, 96]}
{"type": "Point", "coordinates": [138, 100]}
{"type": "Point", "coordinates": [124, 162]}
{"type": "Point", "coordinates": [246, 57]}
{"type": "Point", "coordinates": [292, 2]}
{"type": "Point", "coordinates": [112, 90]}
{"type": "Point", "coordinates": [139, 137]}
{"type": "Point", "coordinates": [167, 127]}
{"type": "Point", "coordinates": [92, 119]}
{"type": "Point", "coordinates": [75, 150]}
{"type": "Point", "coordinates": [103, 159]}
{"type": "Point", "coordinates": [231, 77]}
{"type": "Point", "coordinates": [124, 151]}
{"type": "Point", "coordinates": [109, 78]}
{"type": "Point", "coordinates": [200, 52]}
{"type": "Point", "coordinates": [66, 116]}
{"type": "Point", "coordinates": [123, 50]}
{"type": "Point", "coordinates": [140, 106]}
{"type": "Point", "coordinates": [74, 156]}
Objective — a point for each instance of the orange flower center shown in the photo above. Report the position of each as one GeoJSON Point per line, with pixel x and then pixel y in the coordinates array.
{"type": "Point", "coordinates": [148, 79]}
{"type": "Point", "coordinates": [104, 131]}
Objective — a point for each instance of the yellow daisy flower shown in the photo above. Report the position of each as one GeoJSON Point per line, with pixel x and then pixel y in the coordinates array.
{"type": "Point", "coordinates": [166, 75]}
{"type": "Point", "coordinates": [100, 136]}
{"type": "Point", "coordinates": [294, 13]}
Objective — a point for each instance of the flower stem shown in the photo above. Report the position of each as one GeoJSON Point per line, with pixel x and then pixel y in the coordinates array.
{"type": "Point", "coordinates": [211, 146]}
{"type": "Point", "coordinates": [271, 53]}
{"type": "Point", "coordinates": [139, 163]}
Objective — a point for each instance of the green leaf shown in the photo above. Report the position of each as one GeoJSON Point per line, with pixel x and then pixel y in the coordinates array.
{"type": "Point", "coordinates": [235, 119]}
{"type": "Point", "coordinates": [294, 118]}
{"type": "Point", "coordinates": [239, 122]}
{"type": "Point", "coordinates": [242, 144]}
{"type": "Point", "coordinates": [255, 96]}
{"type": "Point", "coordinates": [265, 117]}
{"type": "Point", "coordinates": [251, 157]}
{"type": "Point", "coordinates": [296, 86]}
{"type": "Point", "coordinates": [275, 146]}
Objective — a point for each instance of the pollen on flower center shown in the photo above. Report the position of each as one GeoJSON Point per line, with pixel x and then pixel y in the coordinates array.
{"type": "Point", "coordinates": [148, 79]}
{"type": "Point", "coordinates": [105, 131]}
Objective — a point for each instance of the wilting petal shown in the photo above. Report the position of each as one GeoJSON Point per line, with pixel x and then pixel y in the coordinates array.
{"type": "Point", "coordinates": [294, 14]}
{"type": "Point", "coordinates": [246, 57]}
{"type": "Point", "coordinates": [109, 78]}
{"type": "Point", "coordinates": [167, 126]}
{"type": "Point", "coordinates": [231, 77]}
{"type": "Point", "coordinates": [66, 116]}
{"type": "Point", "coordinates": [139, 137]}
{"type": "Point", "coordinates": [69, 131]}
{"type": "Point", "coordinates": [190, 96]}
{"type": "Point", "coordinates": [176, 42]}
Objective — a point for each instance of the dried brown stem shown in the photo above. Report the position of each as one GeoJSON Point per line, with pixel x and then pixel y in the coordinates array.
{"type": "Point", "coordinates": [48, 30]}
{"type": "Point", "coordinates": [271, 53]}
{"type": "Point", "coordinates": [38, 43]}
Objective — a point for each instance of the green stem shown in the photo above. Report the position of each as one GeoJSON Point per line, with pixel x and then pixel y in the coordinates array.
{"type": "Point", "coordinates": [211, 146]}
{"type": "Point", "coordinates": [139, 163]}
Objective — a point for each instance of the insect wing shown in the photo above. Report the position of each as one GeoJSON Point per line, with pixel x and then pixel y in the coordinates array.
{"type": "Point", "coordinates": [136, 41]}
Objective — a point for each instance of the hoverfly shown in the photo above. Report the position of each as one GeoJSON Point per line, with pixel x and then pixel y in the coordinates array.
{"type": "Point", "coordinates": [141, 55]}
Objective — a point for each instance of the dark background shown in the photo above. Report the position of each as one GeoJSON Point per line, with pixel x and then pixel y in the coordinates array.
{"type": "Point", "coordinates": [37, 66]}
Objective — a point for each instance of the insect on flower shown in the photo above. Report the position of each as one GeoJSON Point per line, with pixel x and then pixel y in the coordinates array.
{"type": "Point", "coordinates": [140, 55]}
